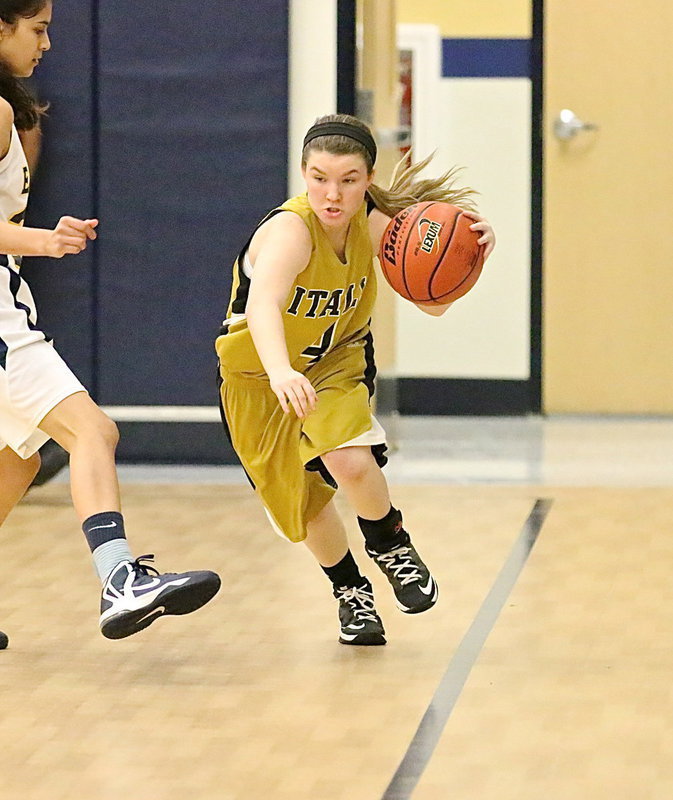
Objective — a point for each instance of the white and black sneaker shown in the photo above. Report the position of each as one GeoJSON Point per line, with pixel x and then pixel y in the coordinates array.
{"type": "Point", "coordinates": [360, 624]}
{"type": "Point", "coordinates": [415, 588]}
{"type": "Point", "coordinates": [132, 598]}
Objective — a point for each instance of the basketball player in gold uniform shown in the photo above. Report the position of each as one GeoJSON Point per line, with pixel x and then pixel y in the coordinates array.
{"type": "Point", "coordinates": [297, 367]}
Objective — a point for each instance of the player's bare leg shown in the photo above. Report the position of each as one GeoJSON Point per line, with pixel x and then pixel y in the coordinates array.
{"type": "Point", "coordinates": [81, 428]}
{"type": "Point", "coordinates": [16, 476]}
{"type": "Point", "coordinates": [356, 470]}
{"type": "Point", "coordinates": [326, 539]}
{"type": "Point", "coordinates": [134, 593]}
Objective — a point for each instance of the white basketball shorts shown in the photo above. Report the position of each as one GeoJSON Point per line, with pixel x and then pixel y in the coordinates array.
{"type": "Point", "coordinates": [33, 377]}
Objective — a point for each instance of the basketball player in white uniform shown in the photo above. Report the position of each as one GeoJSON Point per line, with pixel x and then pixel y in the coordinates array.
{"type": "Point", "coordinates": [39, 396]}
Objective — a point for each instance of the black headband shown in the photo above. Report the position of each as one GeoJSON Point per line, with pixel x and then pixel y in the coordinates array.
{"type": "Point", "coordinates": [343, 129]}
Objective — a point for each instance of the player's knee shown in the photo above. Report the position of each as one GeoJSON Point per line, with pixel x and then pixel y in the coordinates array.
{"type": "Point", "coordinates": [97, 429]}
{"type": "Point", "coordinates": [108, 431]}
{"type": "Point", "coordinates": [349, 465]}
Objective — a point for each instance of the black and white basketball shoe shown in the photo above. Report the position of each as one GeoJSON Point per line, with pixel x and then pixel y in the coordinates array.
{"type": "Point", "coordinates": [132, 598]}
{"type": "Point", "coordinates": [360, 624]}
{"type": "Point", "coordinates": [415, 588]}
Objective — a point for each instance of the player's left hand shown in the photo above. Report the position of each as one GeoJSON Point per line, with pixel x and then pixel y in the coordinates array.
{"type": "Point", "coordinates": [482, 226]}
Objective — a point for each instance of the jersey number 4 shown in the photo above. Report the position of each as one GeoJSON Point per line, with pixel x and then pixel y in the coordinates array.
{"type": "Point", "coordinates": [317, 350]}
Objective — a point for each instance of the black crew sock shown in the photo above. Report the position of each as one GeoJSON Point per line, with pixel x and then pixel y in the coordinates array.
{"type": "Point", "coordinates": [345, 573]}
{"type": "Point", "coordinates": [382, 535]}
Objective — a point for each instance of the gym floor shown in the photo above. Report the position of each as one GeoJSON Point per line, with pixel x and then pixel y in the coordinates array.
{"type": "Point", "coordinates": [543, 671]}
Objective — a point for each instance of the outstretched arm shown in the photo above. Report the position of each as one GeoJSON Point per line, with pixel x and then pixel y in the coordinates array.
{"type": "Point", "coordinates": [70, 234]}
{"type": "Point", "coordinates": [280, 250]}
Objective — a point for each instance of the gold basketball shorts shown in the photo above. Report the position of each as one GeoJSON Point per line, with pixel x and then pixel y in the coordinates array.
{"type": "Point", "coordinates": [280, 452]}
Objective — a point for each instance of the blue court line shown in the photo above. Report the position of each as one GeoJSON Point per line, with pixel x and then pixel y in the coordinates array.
{"type": "Point", "coordinates": [438, 712]}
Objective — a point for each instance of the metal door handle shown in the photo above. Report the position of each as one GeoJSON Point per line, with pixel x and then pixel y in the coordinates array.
{"type": "Point", "coordinates": [567, 125]}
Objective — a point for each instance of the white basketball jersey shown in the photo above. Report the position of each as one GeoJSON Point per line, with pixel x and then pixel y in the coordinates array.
{"type": "Point", "coordinates": [14, 188]}
{"type": "Point", "coordinates": [34, 379]}
{"type": "Point", "coordinates": [18, 316]}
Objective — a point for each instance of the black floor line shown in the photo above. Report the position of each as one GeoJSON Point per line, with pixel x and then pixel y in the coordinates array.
{"type": "Point", "coordinates": [434, 720]}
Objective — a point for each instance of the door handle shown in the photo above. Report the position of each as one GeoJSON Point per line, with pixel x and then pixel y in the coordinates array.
{"type": "Point", "coordinates": [567, 125]}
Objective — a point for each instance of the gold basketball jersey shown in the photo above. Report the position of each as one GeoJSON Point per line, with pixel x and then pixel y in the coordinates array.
{"type": "Point", "coordinates": [329, 304]}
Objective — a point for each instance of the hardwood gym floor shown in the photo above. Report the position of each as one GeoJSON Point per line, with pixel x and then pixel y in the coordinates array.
{"type": "Point", "coordinates": [543, 672]}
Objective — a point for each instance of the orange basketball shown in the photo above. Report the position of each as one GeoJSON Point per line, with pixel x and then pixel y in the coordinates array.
{"type": "Point", "coordinates": [429, 254]}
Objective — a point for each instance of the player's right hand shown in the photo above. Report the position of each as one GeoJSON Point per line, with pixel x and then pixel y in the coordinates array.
{"type": "Point", "coordinates": [293, 389]}
{"type": "Point", "coordinates": [70, 236]}
{"type": "Point", "coordinates": [485, 230]}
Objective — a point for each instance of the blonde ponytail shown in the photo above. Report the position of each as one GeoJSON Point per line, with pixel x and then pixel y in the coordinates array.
{"type": "Point", "coordinates": [405, 189]}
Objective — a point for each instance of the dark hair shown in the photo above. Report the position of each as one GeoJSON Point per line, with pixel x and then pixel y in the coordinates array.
{"type": "Point", "coordinates": [27, 110]}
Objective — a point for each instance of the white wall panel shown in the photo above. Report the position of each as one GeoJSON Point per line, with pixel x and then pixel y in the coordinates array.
{"type": "Point", "coordinates": [486, 334]}
{"type": "Point", "coordinates": [312, 78]}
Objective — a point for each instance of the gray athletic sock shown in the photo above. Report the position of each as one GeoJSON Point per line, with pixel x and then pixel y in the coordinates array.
{"type": "Point", "coordinates": [108, 555]}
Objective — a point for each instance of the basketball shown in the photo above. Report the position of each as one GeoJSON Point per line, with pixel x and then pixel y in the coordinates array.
{"type": "Point", "coordinates": [429, 254]}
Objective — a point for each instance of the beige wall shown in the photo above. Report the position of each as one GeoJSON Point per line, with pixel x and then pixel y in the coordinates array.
{"type": "Point", "coordinates": [608, 283]}
{"type": "Point", "coordinates": [479, 18]}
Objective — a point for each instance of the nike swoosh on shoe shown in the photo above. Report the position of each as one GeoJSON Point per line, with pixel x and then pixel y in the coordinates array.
{"type": "Point", "coordinates": [429, 586]}
{"type": "Point", "coordinates": [348, 636]}
{"type": "Point", "coordinates": [154, 612]}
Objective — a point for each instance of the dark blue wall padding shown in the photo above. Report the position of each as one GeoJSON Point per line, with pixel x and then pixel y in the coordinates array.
{"type": "Point", "coordinates": [192, 152]}
{"type": "Point", "coordinates": [171, 125]}
{"type": "Point", "coordinates": [63, 184]}
{"type": "Point", "coordinates": [487, 58]}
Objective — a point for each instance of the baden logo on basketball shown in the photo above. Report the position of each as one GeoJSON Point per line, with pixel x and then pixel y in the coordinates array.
{"type": "Point", "coordinates": [430, 237]}
{"type": "Point", "coordinates": [390, 246]}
